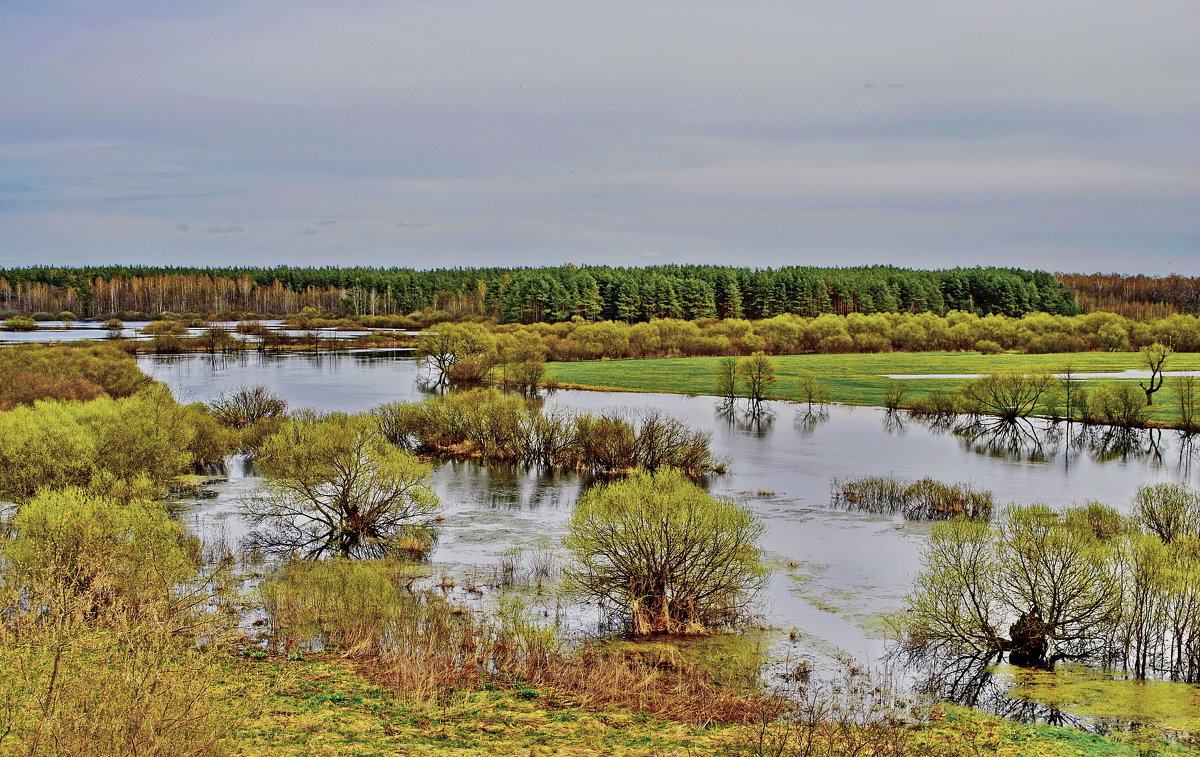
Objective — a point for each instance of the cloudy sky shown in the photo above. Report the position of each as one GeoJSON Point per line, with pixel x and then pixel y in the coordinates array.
{"type": "Point", "coordinates": [1058, 134]}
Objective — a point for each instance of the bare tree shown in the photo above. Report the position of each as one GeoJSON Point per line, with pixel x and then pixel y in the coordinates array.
{"type": "Point", "coordinates": [1187, 394]}
{"type": "Point", "coordinates": [247, 405]}
{"type": "Point", "coordinates": [1153, 357]}
{"type": "Point", "coordinates": [758, 377]}
{"type": "Point", "coordinates": [1072, 388]}
{"type": "Point", "coordinates": [727, 379]}
{"type": "Point", "coordinates": [338, 487]}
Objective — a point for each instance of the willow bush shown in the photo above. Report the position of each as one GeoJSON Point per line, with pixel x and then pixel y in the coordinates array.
{"type": "Point", "coordinates": [1084, 584]}
{"type": "Point", "coordinates": [662, 555]}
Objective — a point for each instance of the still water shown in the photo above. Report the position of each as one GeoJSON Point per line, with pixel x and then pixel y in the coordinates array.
{"type": "Point", "coordinates": [836, 572]}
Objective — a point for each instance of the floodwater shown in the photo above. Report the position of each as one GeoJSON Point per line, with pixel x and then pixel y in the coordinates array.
{"type": "Point", "coordinates": [75, 331]}
{"type": "Point", "coordinates": [836, 572]}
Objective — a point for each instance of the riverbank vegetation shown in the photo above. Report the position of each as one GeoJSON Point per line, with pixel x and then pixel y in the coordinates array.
{"type": "Point", "coordinates": [662, 555]}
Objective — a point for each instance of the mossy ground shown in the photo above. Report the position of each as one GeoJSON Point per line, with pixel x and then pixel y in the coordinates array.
{"type": "Point", "coordinates": [858, 379]}
{"type": "Point", "coordinates": [323, 705]}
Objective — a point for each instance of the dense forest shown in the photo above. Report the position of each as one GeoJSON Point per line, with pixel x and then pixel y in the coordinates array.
{"type": "Point", "coordinates": [533, 295]}
{"type": "Point", "coordinates": [1134, 296]}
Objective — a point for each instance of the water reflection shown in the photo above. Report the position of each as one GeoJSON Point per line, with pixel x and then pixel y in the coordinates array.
{"type": "Point", "coordinates": [1017, 439]}
{"type": "Point", "coordinates": [808, 419]}
{"type": "Point", "coordinates": [972, 680]}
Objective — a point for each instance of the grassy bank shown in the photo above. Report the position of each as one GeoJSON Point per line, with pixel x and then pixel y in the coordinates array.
{"type": "Point", "coordinates": [858, 379]}
{"type": "Point", "coordinates": [325, 706]}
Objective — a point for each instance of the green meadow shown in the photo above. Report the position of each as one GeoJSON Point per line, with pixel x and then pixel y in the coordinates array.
{"type": "Point", "coordinates": [860, 379]}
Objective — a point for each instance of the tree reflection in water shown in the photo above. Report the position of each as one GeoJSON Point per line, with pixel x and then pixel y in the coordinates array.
{"type": "Point", "coordinates": [756, 420]}
{"type": "Point", "coordinates": [971, 681]}
{"type": "Point", "coordinates": [1039, 441]}
{"type": "Point", "coordinates": [1013, 439]}
{"type": "Point", "coordinates": [893, 423]}
{"type": "Point", "coordinates": [810, 418]}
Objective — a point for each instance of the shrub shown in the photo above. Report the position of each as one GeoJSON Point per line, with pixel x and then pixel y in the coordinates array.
{"type": "Point", "coordinates": [247, 405]}
{"type": "Point", "coordinates": [158, 328]}
{"type": "Point", "coordinates": [925, 499]}
{"type": "Point", "coordinates": [20, 323]}
{"type": "Point", "coordinates": [1118, 404]}
{"type": "Point", "coordinates": [1007, 395]}
{"type": "Point", "coordinates": [836, 344]}
{"type": "Point", "coordinates": [663, 555]}
{"type": "Point", "coordinates": [127, 555]}
{"type": "Point", "coordinates": [338, 487]}
{"type": "Point", "coordinates": [988, 347]}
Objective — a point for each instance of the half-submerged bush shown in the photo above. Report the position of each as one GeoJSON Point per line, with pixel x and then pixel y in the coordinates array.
{"type": "Point", "coordinates": [663, 555]}
{"type": "Point", "coordinates": [925, 499]}
{"type": "Point", "coordinates": [489, 425]}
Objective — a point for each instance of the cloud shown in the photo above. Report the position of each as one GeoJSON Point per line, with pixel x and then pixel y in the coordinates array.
{"type": "Point", "coordinates": [310, 232]}
{"type": "Point", "coordinates": [1057, 135]}
{"type": "Point", "coordinates": [181, 227]}
{"type": "Point", "coordinates": [171, 196]}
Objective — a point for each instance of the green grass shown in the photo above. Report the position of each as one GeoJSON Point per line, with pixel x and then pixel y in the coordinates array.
{"type": "Point", "coordinates": [857, 379]}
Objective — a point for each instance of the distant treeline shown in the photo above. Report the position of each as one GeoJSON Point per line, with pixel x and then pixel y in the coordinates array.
{"type": "Point", "coordinates": [532, 295]}
{"type": "Point", "coordinates": [1135, 296]}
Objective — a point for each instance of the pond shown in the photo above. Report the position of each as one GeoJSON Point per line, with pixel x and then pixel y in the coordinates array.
{"type": "Point", "coordinates": [837, 572]}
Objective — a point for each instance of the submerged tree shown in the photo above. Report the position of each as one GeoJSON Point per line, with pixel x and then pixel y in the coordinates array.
{"type": "Point", "coordinates": [1036, 587]}
{"type": "Point", "coordinates": [1007, 395]}
{"type": "Point", "coordinates": [247, 405]}
{"type": "Point", "coordinates": [338, 487]}
{"type": "Point", "coordinates": [758, 377]}
{"type": "Point", "coordinates": [449, 344]}
{"type": "Point", "coordinates": [664, 554]}
{"type": "Point", "coordinates": [1153, 357]}
{"type": "Point", "coordinates": [1085, 584]}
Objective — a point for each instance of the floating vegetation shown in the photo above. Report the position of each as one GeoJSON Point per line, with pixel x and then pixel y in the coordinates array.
{"type": "Point", "coordinates": [1109, 697]}
{"type": "Point", "coordinates": [925, 499]}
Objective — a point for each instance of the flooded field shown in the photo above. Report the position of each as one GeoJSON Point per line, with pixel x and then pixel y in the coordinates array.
{"type": "Point", "coordinates": [837, 573]}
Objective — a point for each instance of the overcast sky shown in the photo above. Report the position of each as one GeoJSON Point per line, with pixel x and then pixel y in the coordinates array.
{"type": "Point", "coordinates": [1058, 134]}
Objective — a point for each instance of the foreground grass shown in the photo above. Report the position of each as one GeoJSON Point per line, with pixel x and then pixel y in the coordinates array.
{"type": "Point", "coordinates": [324, 706]}
{"type": "Point", "coordinates": [858, 379]}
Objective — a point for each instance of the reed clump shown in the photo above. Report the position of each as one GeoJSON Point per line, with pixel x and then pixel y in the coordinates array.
{"type": "Point", "coordinates": [924, 499]}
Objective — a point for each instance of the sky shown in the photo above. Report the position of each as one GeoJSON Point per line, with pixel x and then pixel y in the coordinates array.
{"type": "Point", "coordinates": [1054, 134]}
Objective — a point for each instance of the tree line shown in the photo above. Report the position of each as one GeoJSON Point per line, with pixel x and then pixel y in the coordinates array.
{"type": "Point", "coordinates": [1135, 296]}
{"type": "Point", "coordinates": [532, 295]}
{"type": "Point", "coordinates": [479, 348]}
